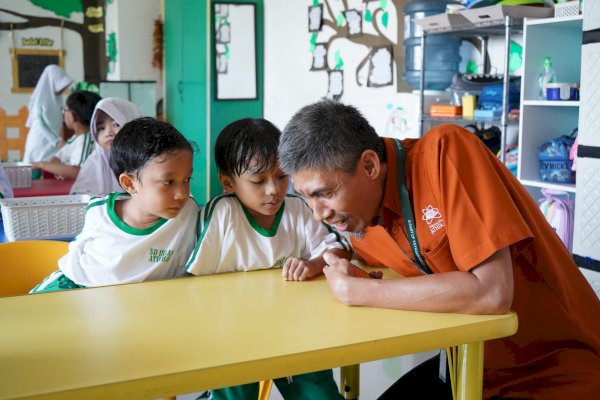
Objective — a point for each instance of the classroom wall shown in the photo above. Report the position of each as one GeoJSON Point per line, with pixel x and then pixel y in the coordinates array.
{"type": "Point", "coordinates": [72, 43]}
{"type": "Point", "coordinates": [290, 84]}
{"type": "Point", "coordinates": [132, 21]}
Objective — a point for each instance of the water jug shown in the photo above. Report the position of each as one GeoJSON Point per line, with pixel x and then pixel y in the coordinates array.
{"type": "Point", "coordinates": [442, 52]}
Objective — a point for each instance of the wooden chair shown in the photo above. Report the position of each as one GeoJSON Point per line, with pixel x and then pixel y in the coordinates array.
{"type": "Point", "coordinates": [17, 143]}
{"type": "Point", "coordinates": [27, 263]}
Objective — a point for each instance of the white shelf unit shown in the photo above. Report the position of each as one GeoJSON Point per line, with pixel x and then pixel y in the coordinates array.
{"type": "Point", "coordinates": [541, 120]}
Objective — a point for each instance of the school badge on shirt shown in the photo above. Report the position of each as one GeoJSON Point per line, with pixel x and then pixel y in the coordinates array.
{"type": "Point", "coordinates": [432, 216]}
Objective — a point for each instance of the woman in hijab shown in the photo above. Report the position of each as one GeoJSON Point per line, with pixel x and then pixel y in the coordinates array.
{"type": "Point", "coordinates": [45, 114]}
{"type": "Point", "coordinates": [95, 176]}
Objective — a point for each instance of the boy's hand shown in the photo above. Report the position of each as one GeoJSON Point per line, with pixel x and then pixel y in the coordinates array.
{"type": "Point", "coordinates": [298, 269]}
{"type": "Point", "coordinates": [338, 265]}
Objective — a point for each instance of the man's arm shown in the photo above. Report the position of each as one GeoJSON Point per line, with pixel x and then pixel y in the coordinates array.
{"type": "Point", "coordinates": [486, 289]}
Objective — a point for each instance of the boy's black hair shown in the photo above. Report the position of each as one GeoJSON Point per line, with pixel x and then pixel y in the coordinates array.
{"type": "Point", "coordinates": [142, 139]}
{"type": "Point", "coordinates": [244, 141]}
{"type": "Point", "coordinates": [82, 103]}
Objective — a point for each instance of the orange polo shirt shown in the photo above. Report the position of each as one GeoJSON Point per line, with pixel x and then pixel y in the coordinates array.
{"type": "Point", "coordinates": [467, 206]}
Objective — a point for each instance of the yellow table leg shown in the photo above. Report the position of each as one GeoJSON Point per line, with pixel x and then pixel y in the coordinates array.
{"type": "Point", "coordinates": [469, 366]}
{"type": "Point", "coordinates": [350, 381]}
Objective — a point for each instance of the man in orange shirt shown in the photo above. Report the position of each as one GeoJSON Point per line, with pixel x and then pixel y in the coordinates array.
{"type": "Point", "coordinates": [478, 244]}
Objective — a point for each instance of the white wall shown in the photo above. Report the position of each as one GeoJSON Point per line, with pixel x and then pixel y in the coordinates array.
{"type": "Point", "coordinates": [133, 22]}
{"type": "Point", "coordinates": [289, 83]}
{"type": "Point", "coordinates": [72, 43]}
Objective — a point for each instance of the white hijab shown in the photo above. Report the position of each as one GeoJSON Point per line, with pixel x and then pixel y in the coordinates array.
{"type": "Point", "coordinates": [95, 176]}
{"type": "Point", "coordinates": [46, 94]}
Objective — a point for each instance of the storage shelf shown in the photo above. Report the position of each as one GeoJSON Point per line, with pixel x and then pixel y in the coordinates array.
{"type": "Point", "coordinates": [567, 187]}
{"type": "Point", "coordinates": [576, 19]}
{"type": "Point", "coordinates": [551, 103]}
{"type": "Point", "coordinates": [461, 119]}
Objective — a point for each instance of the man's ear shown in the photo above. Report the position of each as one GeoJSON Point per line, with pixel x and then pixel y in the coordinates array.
{"type": "Point", "coordinates": [370, 164]}
{"type": "Point", "coordinates": [226, 182]}
{"type": "Point", "coordinates": [126, 181]}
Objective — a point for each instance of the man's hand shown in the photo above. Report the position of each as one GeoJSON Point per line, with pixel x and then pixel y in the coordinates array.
{"type": "Point", "coordinates": [345, 267]}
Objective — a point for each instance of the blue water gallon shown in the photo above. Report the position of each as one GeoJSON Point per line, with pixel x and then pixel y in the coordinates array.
{"type": "Point", "coordinates": [442, 52]}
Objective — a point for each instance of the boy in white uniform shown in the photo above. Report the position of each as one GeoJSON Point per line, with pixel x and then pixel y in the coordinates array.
{"type": "Point", "coordinates": [256, 226]}
{"type": "Point", "coordinates": [77, 112]}
{"type": "Point", "coordinates": [148, 233]}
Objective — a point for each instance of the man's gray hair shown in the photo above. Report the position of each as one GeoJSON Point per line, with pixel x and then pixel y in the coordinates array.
{"type": "Point", "coordinates": [327, 135]}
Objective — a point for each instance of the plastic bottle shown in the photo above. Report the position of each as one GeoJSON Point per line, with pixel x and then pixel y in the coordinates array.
{"type": "Point", "coordinates": [546, 76]}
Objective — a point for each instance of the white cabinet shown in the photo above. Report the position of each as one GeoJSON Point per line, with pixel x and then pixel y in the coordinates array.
{"type": "Point", "coordinates": [586, 240]}
{"type": "Point", "coordinates": [541, 120]}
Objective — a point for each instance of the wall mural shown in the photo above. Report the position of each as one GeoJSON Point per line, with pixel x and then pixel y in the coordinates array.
{"type": "Point", "coordinates": [365, 23]}
{"type": "Point", "coordinates": [91, 30]}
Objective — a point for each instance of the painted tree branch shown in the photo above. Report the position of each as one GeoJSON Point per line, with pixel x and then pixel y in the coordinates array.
{"type": "Point", "coordinates": [36, 22]}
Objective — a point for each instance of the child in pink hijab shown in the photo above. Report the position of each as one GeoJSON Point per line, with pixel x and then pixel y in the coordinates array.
{"type": "Point", "coordinates": [96, 177]}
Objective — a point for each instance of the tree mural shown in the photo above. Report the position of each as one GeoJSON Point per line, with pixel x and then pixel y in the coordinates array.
{"type": "Point", "coordinates": [366, 23]}
{"type": "Point", "coordinates": [91, 30]}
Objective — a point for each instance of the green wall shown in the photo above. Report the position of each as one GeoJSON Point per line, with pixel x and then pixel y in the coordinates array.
{"type": "Point", "coordinates": [188, 54]}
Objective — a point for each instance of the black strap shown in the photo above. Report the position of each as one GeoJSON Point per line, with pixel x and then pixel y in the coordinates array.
{"type": "Point", "coordinates": [407, 213]}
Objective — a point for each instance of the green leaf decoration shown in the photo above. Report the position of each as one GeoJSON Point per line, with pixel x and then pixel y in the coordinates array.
{"type": "Point", "coordinates": [227, 55]}
{"type": "Point", "coordinates": [472, 67]}
{"type": "Point", "coordinates": [383, 4]}
{"type": "Point", "coordinates": [62, 8]}
{"type": "Point", "coordinates": [315, 3]}
{"type": "Point", "coordinates": [312, 47]}
{"type": "Point", "coordinates": [313, 38]}
{"type": "Point", "coordinates": [385, 18]}
{"type": "Point", "coordinates": [83, 85]}
{"type": "Point", "coordinates": [111, 47]}
{"type": "Point", "coordinates": [338, 60]}
{"type": "Point", "coordinates": [515, 59]}
{"type": "Point", "coordinates": [340, 19]}
{"type": "Point", "coordinates": [368, 16]}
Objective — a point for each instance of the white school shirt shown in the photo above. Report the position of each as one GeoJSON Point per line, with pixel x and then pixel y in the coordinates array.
{"type": "Point", "coordinates": [76, 150]}
{"type": "Point", "coordinates": [230, 239]}
{"type": "Point", "coordinates": [108, 252]}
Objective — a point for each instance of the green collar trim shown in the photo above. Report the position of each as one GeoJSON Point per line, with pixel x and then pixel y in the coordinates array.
{"type": "Point", "coordinates": [265, 232]}
{"type": "Point", "coordinates": [110, 206]}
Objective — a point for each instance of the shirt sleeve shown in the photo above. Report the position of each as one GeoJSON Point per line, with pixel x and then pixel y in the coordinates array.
{"type": "Point", "coordinates": [211, 227]}
{"type": "Point", "coordinates": [474, 191]}
{"type": "Point", "coordinates": [50, 135]}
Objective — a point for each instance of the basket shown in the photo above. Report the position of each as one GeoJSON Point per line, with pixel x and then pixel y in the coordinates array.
{"type": "Point", "coordinates": [49, 217]}
{"type": "Point", "coordinates": [566, 9]}
{"type": "Point", "coordinates": [19, 174]}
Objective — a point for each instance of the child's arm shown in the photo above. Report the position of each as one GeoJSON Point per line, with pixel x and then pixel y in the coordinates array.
{"type": "Point", "coordinates": [298, 269]}
{"type": "Point", "coordinates": [57, 168]}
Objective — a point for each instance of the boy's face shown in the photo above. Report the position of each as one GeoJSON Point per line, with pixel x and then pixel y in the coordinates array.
{"type": "Point", "coordinates": [162, 187]}
{"type": "Point", "coordinates": [261, 193]}
{"type": "Point", "coordinates": [106, 130]}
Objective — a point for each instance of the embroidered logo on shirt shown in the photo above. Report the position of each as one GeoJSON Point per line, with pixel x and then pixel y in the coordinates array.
{"type": "Point", "coordinates": [158, 255]}
{"type": "Point", "coordinates": [279, 263]}
{"type": "Point", "coordinates": [433, 218]}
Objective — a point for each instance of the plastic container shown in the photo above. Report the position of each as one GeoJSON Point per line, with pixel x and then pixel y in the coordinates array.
{"type": "Point", "coordinates": [546, 76]}
{"type": "Point", "coordinates": [19, 174]}
{"type": "Point", "coordinates": [442, 52]}
{"type": "Point", "coordinates": [48, 217]}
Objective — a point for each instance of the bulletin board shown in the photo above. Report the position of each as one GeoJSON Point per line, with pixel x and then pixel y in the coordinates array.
{"type": "Point", "coordinates": [28, 65]}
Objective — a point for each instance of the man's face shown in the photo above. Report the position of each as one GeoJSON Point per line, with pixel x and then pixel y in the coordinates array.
{"type": "Point", "coordinates": [349, 202]}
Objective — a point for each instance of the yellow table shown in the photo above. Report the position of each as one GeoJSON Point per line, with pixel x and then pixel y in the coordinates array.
{"type": "Point", "coordinates": [153, 339]}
